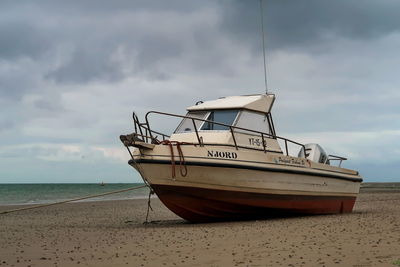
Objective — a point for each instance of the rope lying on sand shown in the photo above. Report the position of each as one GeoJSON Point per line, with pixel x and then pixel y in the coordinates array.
{"type": "Point", "coordinates": [71, 200]}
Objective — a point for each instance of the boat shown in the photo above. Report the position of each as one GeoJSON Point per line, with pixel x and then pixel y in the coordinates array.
{"type": "Point", "coordinates": [225, 162]}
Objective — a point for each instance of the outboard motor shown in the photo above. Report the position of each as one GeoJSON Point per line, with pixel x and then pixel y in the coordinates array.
{"type": "Point", "coordinates": [314, 152]}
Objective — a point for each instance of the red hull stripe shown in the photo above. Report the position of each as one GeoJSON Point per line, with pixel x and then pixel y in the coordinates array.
{"type": "Point", "coordinates": [247, 167]}
{"type": "Point", "coordinates": [206, 205]}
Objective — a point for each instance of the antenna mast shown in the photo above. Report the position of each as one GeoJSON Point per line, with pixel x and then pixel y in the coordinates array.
{"type": "Point", "coordinates": [263, 43]}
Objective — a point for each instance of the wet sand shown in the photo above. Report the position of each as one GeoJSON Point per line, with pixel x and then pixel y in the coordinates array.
{"type": "Point", "coordinates": [111, 233]}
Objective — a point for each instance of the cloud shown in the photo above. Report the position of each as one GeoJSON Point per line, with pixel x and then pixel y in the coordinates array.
{"type": "Point", "coordinates": [358, 92]}
{"type": "Point", "coordinates": [305, 25]}
{"type": "Point", "coordinates": [64, 163]}
{"type": "Point", "coordinates": [65, 152]}
{"type": "Point", "coordinates": [114, 153]}
{"type": "Point", "coordinates": [352, 144]}
{"type": "Point", "coordinates": [77, 42]}
{"type": "Point", "coordinates": [21, 39]}
{"type": "Point", "coordinates": [17, 78]}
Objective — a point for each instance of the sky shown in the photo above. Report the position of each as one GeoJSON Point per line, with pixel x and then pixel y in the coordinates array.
{"type": "Point", "coordinates": [72, 72]}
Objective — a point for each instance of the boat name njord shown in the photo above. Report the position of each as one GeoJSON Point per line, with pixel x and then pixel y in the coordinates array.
{"type": "Point", "coordinates": [221, 154]}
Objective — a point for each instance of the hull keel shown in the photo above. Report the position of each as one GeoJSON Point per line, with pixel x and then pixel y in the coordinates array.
{"type": "Point", "coordinates": [209, 205]}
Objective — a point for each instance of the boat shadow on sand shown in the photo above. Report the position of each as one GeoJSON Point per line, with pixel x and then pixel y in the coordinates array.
{"type": "Point", "coordinates": [183, 223]}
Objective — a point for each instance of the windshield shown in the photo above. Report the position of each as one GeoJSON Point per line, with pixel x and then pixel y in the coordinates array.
{"type": "Point", "coordinates": [186, 124]}
{"type": "Point", "coordinates": [253, 121]}
{"type": "Point", "coordinates": [221, 116]}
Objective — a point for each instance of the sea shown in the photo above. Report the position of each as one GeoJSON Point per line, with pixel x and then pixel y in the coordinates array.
{"type": "Point", "coordinates": [380, 187]}
{"type": "Point", "coordinates": [18, 194]}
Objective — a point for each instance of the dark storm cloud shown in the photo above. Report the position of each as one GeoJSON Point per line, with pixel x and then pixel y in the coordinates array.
{"type": "Point", "coordinates": [87, 64]}
{"type": "Point", "coordinates": [77, 42]}
{"type": "Point", "coordinates": [297, 24]}
{"type": "Point", "coordinates": [106, 7]}
{"type": "Point", "coordinates": [95, 33]}
{"type": "Point", "coordinates": [88, 37]}
{"type": "Point", "coordinates": [110, 57]}
{"type": "Point", "coordinates": [15, 81]}
{"type": "Point", "coordinates": [82, 39]}
{"type": "Point", "coordinates": [20, 39]}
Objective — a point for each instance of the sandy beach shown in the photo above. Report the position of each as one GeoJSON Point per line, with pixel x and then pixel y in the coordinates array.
{"type": "Point", "coordinates": [111, 233]}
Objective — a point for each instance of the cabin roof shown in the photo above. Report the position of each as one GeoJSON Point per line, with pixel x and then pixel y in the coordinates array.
{"type": "Point", "coordinates": [260, 103]}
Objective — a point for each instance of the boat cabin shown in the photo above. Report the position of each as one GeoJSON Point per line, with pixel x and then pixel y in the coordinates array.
{"type": "Point", "coordinates": [237, 121]}
{"type": "Point", "coordinates": [244, 120]}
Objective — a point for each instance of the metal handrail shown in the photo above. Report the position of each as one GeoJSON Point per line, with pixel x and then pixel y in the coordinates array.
{"type": "Point", "coordinates": [140, 126]}
{"type": "Point", "coordinates": [338, 158]}
{"type": "Point", "coordinates": [230, 127]}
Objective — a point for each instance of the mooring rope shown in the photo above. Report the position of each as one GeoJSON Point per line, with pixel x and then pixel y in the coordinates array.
{"type": "Point", "coordinates": [151, 192]}
{"type": "Point", "coordinates": [182, 163]}
{"type": "Point", "coordinates": [75, 199]}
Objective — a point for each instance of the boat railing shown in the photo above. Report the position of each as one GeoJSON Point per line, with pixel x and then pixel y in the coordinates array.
{"type": "Point", "coordinates": [144, 131]}
{"type": "Point", "coordinates": [336, 158]}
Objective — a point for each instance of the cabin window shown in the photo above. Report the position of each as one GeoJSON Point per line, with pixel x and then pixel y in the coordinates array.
{"type": "Point", "coordinates": [222, 116]}
{"type": "Point", "coordinates": [187, 124]}
{"type": "Point", "coordinates": [253, 121]}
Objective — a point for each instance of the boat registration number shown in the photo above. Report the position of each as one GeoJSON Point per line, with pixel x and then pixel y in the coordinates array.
{"type": "Point", "coordinates": [256, 142]}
